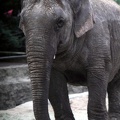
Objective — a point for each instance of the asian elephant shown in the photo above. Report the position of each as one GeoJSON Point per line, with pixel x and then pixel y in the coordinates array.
{"type": "Point", "coordinates": [74, 41]}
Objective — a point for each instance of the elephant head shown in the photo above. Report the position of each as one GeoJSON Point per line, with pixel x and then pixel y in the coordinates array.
{"type": "Point", "coordinates": [47, 25]}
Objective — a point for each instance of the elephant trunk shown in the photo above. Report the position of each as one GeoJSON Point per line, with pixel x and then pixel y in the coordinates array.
{"type": "Point", "coordinates": [39, 56]}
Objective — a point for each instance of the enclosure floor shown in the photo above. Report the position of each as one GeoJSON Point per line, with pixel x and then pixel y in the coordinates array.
{"type": "Point", "coordinates": [25, 112]}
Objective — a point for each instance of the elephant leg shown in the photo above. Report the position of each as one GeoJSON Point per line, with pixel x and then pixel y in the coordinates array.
{"type": "Point", "coordinates": [114, 99]}
{"type": "Point", "coordinates": [97, 87]}
{"type": "Point", "coordinates": [58, 96]}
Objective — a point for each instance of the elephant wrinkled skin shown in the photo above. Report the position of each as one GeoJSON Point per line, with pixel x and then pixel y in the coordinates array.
{"type": "Point", "coordinates": [76, 42]}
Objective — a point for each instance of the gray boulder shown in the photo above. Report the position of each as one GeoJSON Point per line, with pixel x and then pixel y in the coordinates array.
{"type": "Point", "coordinates": [15, 86]}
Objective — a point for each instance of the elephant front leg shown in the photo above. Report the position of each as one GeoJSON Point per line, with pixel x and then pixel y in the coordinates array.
{"type": "Point", "coordinates": [114, 98]}
{"type": "Point", "coordinates": [58, 96]}
{"type": "Point", "coordinates": [97, 87]}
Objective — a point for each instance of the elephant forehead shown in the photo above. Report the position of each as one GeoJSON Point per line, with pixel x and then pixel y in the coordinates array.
{"type": "Point", "coordinates": [43, 10]}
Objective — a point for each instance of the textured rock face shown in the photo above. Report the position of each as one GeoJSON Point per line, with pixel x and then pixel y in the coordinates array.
{"type": "Point", "coordinates": [76, 89]}
{"type": "Point", "coordinates": [25, 111]}
{"type": "Point", "coordinates": [15, 86]}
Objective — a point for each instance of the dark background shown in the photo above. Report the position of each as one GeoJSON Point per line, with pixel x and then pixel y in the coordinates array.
{"type": "Point", "coordinates": [11, 37]}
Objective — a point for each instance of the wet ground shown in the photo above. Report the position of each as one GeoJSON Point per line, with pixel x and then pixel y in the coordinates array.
{"type": "Point", "coordinates": [25, 112]}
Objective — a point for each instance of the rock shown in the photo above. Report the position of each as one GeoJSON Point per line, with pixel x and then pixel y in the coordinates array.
{"type": "Point", "coordinates": [78, 104]}
{"type": "Point", "coordinates": [15, 86]}
{"type": "Point", "coordinates": [76, 89]}
{"type": "Point", "coordinates": [25, 111]}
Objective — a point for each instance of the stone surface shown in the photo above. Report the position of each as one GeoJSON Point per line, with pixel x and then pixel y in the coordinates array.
{"type": "Point", "coordinates": [14, 86]}
{"type": "Point", "coordinates": [25, 111]}
{"type": "Point", "coordinates": [76, 89]}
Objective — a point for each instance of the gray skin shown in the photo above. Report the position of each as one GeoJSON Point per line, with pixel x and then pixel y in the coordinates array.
{"type": "Point", "coordinates": [84, 38]}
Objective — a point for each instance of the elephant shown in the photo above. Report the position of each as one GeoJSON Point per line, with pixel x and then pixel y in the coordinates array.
{"type": "Point", "coordinates": [76, 42]}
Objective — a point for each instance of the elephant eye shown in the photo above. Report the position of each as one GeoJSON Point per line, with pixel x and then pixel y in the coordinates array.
{"type": "Point", "coordinates": [60, 23]}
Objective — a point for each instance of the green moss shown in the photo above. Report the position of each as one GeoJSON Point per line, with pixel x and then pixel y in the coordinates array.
{"type": "Point", "coordinates": [118, 1]}
{"type": "Point", "coordinates": [11, 38]}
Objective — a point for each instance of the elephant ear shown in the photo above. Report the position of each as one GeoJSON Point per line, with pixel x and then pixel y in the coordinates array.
{"type": "Point", "coordinates": [83, 16]}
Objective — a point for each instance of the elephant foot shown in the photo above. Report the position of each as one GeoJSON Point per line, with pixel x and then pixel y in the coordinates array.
{"type": "Point", "coordinates": [114, 117]}
{"type": "Point", "coordinates": [65, 118]}
{"type": "Point", "coordinates": [102, 119]}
